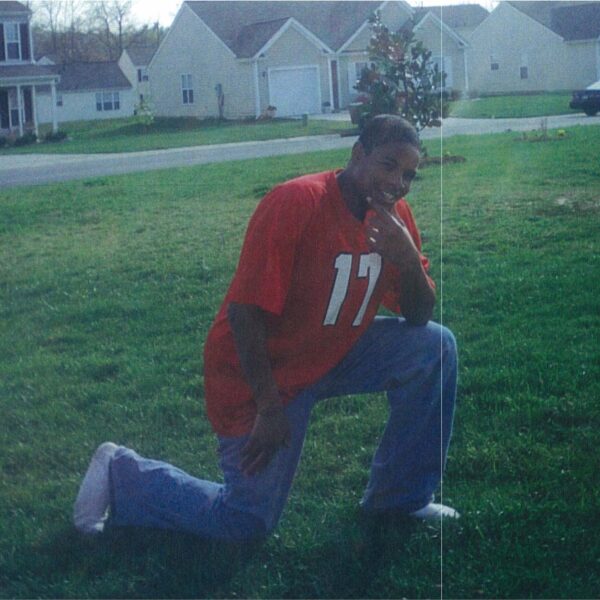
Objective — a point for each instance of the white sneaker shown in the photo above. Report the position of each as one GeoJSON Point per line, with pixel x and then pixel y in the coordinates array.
{"type": "Point", "coordinates": [435, 512]}
{"type": "Point", "coordinates": [89, 511]}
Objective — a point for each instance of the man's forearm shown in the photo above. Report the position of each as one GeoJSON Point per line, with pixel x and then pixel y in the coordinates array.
{"type": "Point", "coordinates": [249, 329]}
{"type": "Point", "coordinates": [417, 298]}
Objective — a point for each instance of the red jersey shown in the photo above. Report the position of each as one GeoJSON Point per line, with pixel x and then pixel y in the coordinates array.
{"type": "Point", "coordinates": [306, 262]}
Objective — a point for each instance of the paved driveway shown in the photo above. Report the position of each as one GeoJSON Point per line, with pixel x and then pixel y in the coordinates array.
{"type": "Point", "coordinates": [32, 169]}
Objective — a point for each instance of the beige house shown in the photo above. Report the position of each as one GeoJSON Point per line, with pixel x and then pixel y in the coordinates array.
{"type": "Point", "coordinates": [301, 57]}
{"type": "Point", "coordinates": [134, 63]}
{"type": "Point", "coordinates": [536, 46]}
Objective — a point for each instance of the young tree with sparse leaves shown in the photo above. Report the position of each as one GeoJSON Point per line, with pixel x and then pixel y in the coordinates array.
{"type": "Point", "coordinates": [401, 78]}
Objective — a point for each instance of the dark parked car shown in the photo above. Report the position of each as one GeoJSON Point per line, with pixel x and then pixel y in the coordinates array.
{"type": "Point", "coordinates": [587, 100]}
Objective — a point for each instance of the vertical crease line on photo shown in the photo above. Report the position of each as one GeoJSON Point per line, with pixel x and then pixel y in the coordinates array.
{"type": "Point", "coordinates": [441, 303]}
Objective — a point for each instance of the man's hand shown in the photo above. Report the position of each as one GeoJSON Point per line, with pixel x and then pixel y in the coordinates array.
{"type": "Point", "coordinates": [388, 235]}
{"type": "Point", "coordinates": [271, 431]}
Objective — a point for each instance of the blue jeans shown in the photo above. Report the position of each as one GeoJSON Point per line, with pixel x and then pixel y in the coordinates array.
{"type": "Point", "coordinates": [415, 365]}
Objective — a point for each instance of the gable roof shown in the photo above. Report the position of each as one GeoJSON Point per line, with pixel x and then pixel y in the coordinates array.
{"type": "Point", "coordinates": [141, 55]}
{"type": "Point", "coordinates": [580, 22]}
{"type": "Point", "coordinates": [13, 7]}
{"type": "Point", "coordinates": [253, 37]}
{"type": "Point", "coordinates": [455, 16]}
{"type": "Point", "coordinates": [572, 20]}
{"type": "Point", "coordinates": [85, 76]}
{"type": "Point", "coordinates": [431, 16]}
{"type": "Point", "coordinates": [246, 26]}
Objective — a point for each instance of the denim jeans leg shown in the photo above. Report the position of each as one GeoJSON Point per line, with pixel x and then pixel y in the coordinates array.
{"type": "Point", "coordinates": [417, 367]}
{"type": "Point", "coordinates": [152, 493]}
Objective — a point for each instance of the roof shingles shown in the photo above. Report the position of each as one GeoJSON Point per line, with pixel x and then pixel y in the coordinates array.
{"type": "Point", "coordinates": [26, 70]}
{"type": "Point", "coordinates": [572, 20]}
{"type": "Point", "coordinates": [237, 22]}
{"type": "Point", "coordinates": [246, 26]}
{"type": "Point", "coordinates": [77, 77]}
{"type": "Point", "coordinates": [456, 16]}
{"type": "Point", "coordinates": [13, 7]}
{"type": "Point", "coordinates": [577, 22]}
{"type": "Point", "coordinates": [141, 55]}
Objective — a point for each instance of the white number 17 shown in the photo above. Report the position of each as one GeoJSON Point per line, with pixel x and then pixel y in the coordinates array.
{"type": "Point", "coordinates": [369, 266]}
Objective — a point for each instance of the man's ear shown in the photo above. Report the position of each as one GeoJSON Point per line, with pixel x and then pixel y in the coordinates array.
{"type": "Point", "coordinates": [358, 152]}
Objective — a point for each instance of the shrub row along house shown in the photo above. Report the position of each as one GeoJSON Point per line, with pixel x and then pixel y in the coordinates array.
{"type": "Point", "coordinates": [239, 58]}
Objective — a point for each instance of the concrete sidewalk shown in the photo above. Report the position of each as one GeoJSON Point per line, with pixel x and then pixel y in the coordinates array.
{"type": "Point", "coordinates": [34, 169]}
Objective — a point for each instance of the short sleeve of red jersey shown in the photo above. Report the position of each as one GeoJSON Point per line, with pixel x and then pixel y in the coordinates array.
{"type": "Point", "coordinates": [266, 262]}
{"type": "Point", "coordinates": [391, 298]}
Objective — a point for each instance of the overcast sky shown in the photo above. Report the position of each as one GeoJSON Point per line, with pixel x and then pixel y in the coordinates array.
{"type": "Point", "coordinates": [150, 11]}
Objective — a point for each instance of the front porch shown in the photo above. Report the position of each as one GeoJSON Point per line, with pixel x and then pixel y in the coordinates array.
{"type": "Point", "coordinates": [18, 114]}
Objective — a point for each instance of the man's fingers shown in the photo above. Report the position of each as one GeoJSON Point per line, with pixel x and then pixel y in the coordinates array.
{"type": "Point", "coordinates": [381, 211]}
{"type": "Point", "coordinates": [388, 217]}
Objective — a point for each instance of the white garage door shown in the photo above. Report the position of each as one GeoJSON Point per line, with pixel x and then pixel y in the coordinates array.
{"type": "Point", "coordinates": [295, 91]}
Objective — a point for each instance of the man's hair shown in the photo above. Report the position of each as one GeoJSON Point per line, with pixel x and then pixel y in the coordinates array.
{"type": "Point", "coordinates": [386, 129]}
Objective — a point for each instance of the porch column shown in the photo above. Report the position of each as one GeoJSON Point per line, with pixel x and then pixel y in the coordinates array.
{"type": "Point", "coordinates": [331, 102]}
{"type": "Point", "coordinates": [20, 109]}
{"type": "Point", "coordinates": [256, 89]}
{"type": "Point", "coordinates": [34, 110]}
{"type": "Point", "coordinates": [54, 121]}
{"type": "Point", "coordinates": [466, 63]}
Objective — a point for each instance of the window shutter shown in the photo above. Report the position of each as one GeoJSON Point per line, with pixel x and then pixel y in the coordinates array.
{"type": "Point", "coordinates": [2, 53]}
{"type": "Point", "coordinates": [28, 101]}
{"type": "Point", "coordinates": [4, 122]}
{"type": "Point", "coordinates": [25, 54]}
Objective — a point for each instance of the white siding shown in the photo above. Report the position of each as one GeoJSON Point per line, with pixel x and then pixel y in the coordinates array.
{"type": "Point", "coordinates": [81, 106]}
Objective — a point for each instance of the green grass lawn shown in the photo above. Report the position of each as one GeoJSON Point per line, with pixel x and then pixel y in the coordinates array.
{"type": "Point", "coordinates": [127, 135]}
{"type": "Point", "coordinates": [535, 105]}
{"type": "Point", "coordinates": [109, 285]}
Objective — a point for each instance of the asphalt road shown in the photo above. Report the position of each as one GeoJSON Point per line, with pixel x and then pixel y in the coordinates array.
{"type": "Point", "coordinates": [35, 169]}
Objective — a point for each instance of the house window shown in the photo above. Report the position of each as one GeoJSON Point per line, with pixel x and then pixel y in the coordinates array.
{"type": "Point", "coordinates": [59, 100]}
{"type": "Point", "coordinates": [13, 45]}
{"type": "Point", "coordinates": [524, 71]}
{"type": "Point", "coordinates": [108, 101]}
{"type": "Point", "coordinates": [494, 65]}
{"type": "Point", "coordinates": [187, 89]}
{"type": "Point", "coordinates": [142, 74]}
{"type": "Point", "coordinates": [355, 70]}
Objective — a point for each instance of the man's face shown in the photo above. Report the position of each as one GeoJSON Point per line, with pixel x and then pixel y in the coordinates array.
{"type": "Point", "coordinates": [386, 173]}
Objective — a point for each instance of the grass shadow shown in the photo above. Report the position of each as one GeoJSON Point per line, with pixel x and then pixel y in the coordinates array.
{"type": "Point", "coordinates": [155, 563]}
{"type": "Point", "coordinates": [352, 562]}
